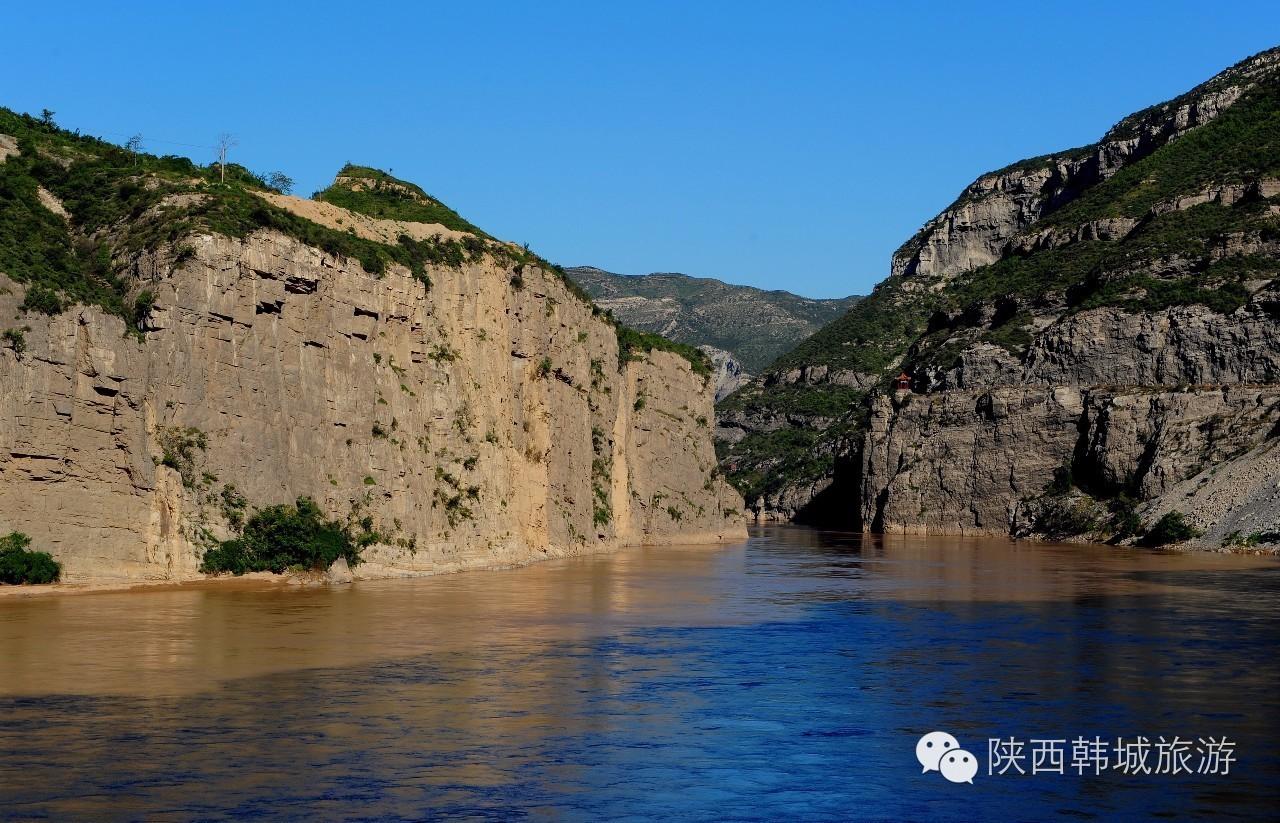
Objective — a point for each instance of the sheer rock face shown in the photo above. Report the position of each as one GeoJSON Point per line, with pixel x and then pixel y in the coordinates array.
{"type": "Point", "coordinates": [1153, 441]}
{"type": "Point", "coordinates": [1154, 405]}
{"type": "Point", "coordinates": [1186, 345]}
{"type": "Point", "coordinates": [969, 462]}
{"type": "Point", "coordinates": [959, 462]}
{"type": "Point", "coordinates": [432, 411]}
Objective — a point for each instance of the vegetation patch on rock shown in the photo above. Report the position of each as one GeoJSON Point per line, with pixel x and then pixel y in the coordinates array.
{"type": "Point", "coordinates": [19, 565]}
{"type": "Point", "coordinates": [1173, 527]}
{"type": "Point", "coordinates": [633, 345]}
{"type": "Point", "coordinates": [376, 193]}
{"type": "Point", "coordinates": [289, 536]}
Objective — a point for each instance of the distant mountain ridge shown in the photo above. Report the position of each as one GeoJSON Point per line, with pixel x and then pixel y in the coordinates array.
{"type": "Point", "coordinates": [753, 326]}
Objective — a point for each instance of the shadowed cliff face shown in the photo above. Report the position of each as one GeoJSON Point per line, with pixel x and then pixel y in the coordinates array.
{"type": "Point", "coordinates": [474, 410]}
{"type": "Point", "coordinates": [1049, 291]}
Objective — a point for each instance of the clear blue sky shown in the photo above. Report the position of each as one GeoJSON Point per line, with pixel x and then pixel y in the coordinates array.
{"type": "Point", "coordinates": [784, 145]}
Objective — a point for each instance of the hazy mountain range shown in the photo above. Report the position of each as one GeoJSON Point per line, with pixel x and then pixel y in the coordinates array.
{"type": "Point", "coordinates": [753, 325]}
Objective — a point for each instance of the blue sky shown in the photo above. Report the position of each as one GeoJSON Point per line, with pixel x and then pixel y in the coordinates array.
{"type": "Point", "coordinates": [783, 145]}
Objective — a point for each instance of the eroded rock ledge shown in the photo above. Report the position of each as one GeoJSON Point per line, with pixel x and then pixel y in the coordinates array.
{"type": "Point", "coordinates": [478, 423]}
{"type": "Point", "coordinates": [1178, 410]}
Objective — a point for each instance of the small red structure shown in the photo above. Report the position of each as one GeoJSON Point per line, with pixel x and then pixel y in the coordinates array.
{"type": "Point", "coordinates": [902, 382]}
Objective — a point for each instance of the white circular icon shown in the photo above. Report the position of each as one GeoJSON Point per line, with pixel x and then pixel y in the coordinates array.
{"type": "Point", "coordinates": [958, 766]}
{"type": "Point", "coordinates": [932, 747]}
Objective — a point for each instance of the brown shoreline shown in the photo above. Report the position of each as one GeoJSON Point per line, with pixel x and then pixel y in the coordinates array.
{"type": "Point", "coordinates": [254, 580]}
{"type": "Point", "coordinates": [267, 580]}
{"type": "Point", "coordinates": [261, 581]}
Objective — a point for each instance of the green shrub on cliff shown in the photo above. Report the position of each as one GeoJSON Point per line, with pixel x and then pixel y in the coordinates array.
{"type": "Point", "coordinates": [1067, 517]}
{"type": "Point", "coordinates": [1239, 540]}
{"type": "Point", "coordinates": [16, 339]}
{"type": "Point", "coordinates": [178, 446]}
{"type": "Point", "coordinates": [142, 306]}
{"type": "Point", "coordinates": [1125, 521]}
{"type": "Point", "coordinates": [35, 245]}
{"type": "Point", "coordinates": [19, 565]}
{"type": "Point", "coordinates": [279, 537]}
{"type": "Point", "coordinates": [42, 300]}
{"type": "Point", "coordinates": [1172, 528]}
{"type": "Point", "coordinates": [633, 345]}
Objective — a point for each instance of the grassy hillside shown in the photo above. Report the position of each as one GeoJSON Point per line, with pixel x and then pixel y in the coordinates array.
{"type": "Point", "coordinates": [752, 324]}
{"type": "Point", "coordinates": [375, 193]}
{"type": "Point", "coordinates": [119, 203]}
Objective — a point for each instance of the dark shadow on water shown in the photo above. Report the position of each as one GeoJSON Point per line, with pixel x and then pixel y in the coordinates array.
{"type": "Point", "coordinates": [836, 507]}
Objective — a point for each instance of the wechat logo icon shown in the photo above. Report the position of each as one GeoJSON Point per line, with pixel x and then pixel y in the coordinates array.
{"type": "Point", "coordinates": [940, 752]}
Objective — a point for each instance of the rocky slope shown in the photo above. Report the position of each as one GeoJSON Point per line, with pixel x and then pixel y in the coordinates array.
{"type": "Point", "coordinates": [1091, 342]}
{"type": "Point", "coordinates": [729, 375]}
{"type": "Point", "coordinates": [210, 349]}
{"type": "Point", "coordinates": [744, 327]}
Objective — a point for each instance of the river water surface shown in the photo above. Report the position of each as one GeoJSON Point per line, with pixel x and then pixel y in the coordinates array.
{"type": "Point", "coordinates": [785, 678]}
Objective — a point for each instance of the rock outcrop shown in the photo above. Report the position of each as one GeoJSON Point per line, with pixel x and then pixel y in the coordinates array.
{"type": "Point", "coordinates": [727, 372]}
{"type": "Point", "coordinates": [975, 230]}
{"type": "Point", "coordinates": [484, 419]}
{"type": "Point", "coordinates": [975, 462]}
{"type": "Point", "coordinates": [1090, 341]}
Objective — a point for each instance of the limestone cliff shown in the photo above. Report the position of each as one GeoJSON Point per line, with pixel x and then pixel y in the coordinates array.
{"type": "Point", "coordinates": [474, 407]}
{"type": "Point", "coordinates": [1091, 341]}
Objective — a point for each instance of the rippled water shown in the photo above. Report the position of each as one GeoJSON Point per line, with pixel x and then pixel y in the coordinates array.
{"type": "Point", "coordinates": [785, 678]}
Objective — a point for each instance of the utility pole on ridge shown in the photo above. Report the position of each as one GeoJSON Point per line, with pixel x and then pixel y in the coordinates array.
{"type": "Point", "coordinates": [226, 142]}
